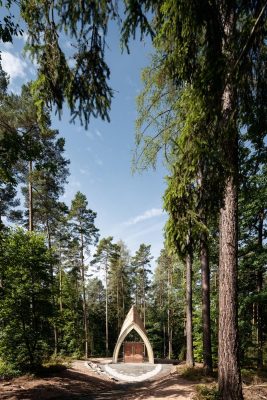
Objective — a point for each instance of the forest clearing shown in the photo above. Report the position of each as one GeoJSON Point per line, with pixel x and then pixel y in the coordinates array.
{"type": "Point", "coordinates": [77, 382]}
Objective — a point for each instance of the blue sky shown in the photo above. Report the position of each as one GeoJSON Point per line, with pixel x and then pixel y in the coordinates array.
{"type": "Point", "coordinates": [128, 206]}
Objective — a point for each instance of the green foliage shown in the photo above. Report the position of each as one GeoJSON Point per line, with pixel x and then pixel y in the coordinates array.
{"type": "Point", "coordinates": [120, 289]}
{"type": "Point", "coordinates": [59, 78]}
{"type": "Point", "coordinates": [25, 304]}
{"type": "Point", "coordinates": [8, 27]}
{"type": "Point", "coordinates": [8, 370]}
{"type": "Point", "coordinates": [206, 393]}
{"type": "Point", "coordinates": [166, 307]}
{"type": "Point", "coordinates": [96, 305]}
{"type": "Point", "coordinates": [82, 220]}
{"type": "Point", "coordinates": [141, 270]}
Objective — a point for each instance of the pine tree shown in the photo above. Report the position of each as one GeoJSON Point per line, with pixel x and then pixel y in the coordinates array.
{"type": "Point", "coordinates": [102, 258]}
{"type": "Point", "coordinates": [141, 269]}
{"type": "Point", "coordinates": [119, 287]}
{"type": "Point", "coordinates": [86, 234]}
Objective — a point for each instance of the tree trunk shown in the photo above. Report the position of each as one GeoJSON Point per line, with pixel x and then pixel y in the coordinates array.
{"type": "Point", "coordinates": [84, 302]}
{"type": "Point", "coordinates": [60, 281]}
{"type": "Point", "coordinates": [144, 297]}
{"type": "Point", "coordinates": [30, 202]}
{"type": "Point", "coordinates": [52, 286]}
{"type": "Point", "coordinates": [259, 290]}
{"type": "Point", "coordinates": [229, 376]}
{"type": "Point", "coordinates": [205, 274]}
{"type": "Point", "coordinates": [123, 300]}
{"type": "Point", "coordinates": [169, 322]}
{"type": "Point", "coordinates": [189, 308]}
{"type": "Point", "coordinates": [106, 279]}
{"type": "Point", "coordinates": [118, 307]}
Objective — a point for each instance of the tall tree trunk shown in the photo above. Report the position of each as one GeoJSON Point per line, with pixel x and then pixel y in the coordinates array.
{"type": "Point", "coordinates": [169, 324]}
{"type": "Point", "coordinates": [118, 307]}
{"type": "Point", "coordinates": [206, 328]}
{"type": "Point", "coordinates": [123, 299]}
{"type": "Point", "coordinates": [106, 281]}
{"type": "Point", "coordinates": [259, 290]}
{"type": "Point", "coordinates": [229, 376]}
{"type": "Point", "coordinates": [52, 286]}
{"type": "Point", "coordinates": [30, 201]}
{"type": "Point", "coordinates": [85, 321]}
{"type": "Point", "coordinates": [144, 297]}
{"type": "Point", "coordinates": [60, 280]}
{"type": "Point", "coordinates": [189, 308]}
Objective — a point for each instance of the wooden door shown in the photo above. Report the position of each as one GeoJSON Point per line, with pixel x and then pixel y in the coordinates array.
{"type": "Point", "coordinates": [133, 352]}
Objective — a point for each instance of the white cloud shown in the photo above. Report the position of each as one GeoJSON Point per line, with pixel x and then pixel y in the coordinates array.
{"type": "Point", "coordinates": [153, 212]}
{"type": "Point", "coordinates": [84, 171]}
{"type": "Point", "coordinates": [93, 134]}
{"type": "Point", "coordinates": [99, 134]}
{"type": "Point", "coordinates": [13, 65]}
{"type": "Point", "coordinates": [154, 228]}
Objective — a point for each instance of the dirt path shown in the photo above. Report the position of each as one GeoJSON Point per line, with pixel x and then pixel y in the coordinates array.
{"type": "Point", "coordinates": [80, 383]}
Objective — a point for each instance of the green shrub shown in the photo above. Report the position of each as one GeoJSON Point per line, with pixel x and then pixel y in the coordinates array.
{"type": "Point", "coordinates": [206, 393]}
{"type": "Point", "coordinates": [8, 371]}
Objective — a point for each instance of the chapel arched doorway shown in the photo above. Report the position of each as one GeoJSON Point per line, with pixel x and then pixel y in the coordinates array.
{"type": "Point", "coordinates": [134, 349]}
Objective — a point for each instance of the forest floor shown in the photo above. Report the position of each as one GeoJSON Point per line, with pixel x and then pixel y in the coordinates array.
{"type": "Point", "coordinates": [78, 382]}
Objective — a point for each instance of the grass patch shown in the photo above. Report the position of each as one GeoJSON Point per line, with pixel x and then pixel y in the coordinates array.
{"type": "Point", "coordinates": [206, 393]}
{"type": "Point", "coordinates": [195, 374]}
{"type": "Point", "coordinates": [54, 365]}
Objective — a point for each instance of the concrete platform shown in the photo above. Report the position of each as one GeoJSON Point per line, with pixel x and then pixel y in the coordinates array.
{"type": "Point", "coordinates": [135, 372]}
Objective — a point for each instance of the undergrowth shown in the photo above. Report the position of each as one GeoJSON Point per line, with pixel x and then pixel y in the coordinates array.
{"type": "Point", "coordinates": [8, 371]}
{"type": "Point", "coordinates": [253, 376]}
{"type": "Point", "coordinates": [206, 393]}
{"type": "Point", "coordinates": [195, 374]}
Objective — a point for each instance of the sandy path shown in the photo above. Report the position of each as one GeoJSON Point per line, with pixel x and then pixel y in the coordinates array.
{"type": "Point", "coordinates": [81, 383]}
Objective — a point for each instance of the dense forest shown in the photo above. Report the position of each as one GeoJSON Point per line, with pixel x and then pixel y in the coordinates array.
{"type": "Point", "coordinates": [203, 109]}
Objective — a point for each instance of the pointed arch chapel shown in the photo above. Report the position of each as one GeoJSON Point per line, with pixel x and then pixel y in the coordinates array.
{"type": "Point", "coordinates": [133, 321]}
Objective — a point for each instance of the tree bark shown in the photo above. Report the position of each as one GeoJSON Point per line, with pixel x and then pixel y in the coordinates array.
{"type": "Point", "coordinates": [189, 308]}
{"type": "Point", "coordinates": [229, 376]}
{"type": "Point", "coordinates": [144, 297]}
{"type": "Point", "coordinates": [169, 322]}
{"type": "Point", "coordinates": [52, 286]}
{"type": "Point", "coordinates": [106, 280]}
{"type": "Point", "coordinates": [259, 290]}
{"type": "Point", "coordinates": [205, 274]}
{"type": "Point", "coordinates": [229, 379]}
{"type": "Point", "coordinates": [30, 201]}
{"type": "Point", "coordinates": [84, 301]}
